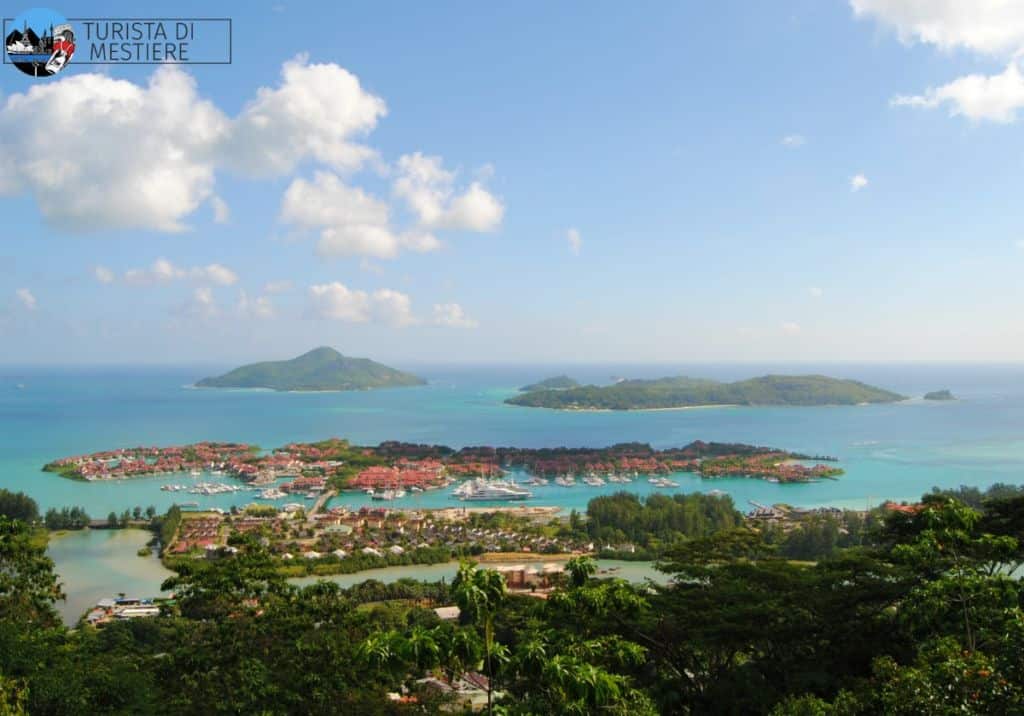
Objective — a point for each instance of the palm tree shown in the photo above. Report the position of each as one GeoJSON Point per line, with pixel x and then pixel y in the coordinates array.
{"type": "Point", "coordinates": [479, 593]}
{"type": "Point", "coordinates": [580, 570]}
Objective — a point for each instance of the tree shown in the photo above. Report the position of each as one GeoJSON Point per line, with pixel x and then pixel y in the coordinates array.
{"type": "Point", "coordinates": [112, 520]}
{"type": "Point", "coordinates": [479, 593]}
{"type": "Point", "coordinates": [28, 585]}
{"type": "Point", "coordinates": [18, 506]}
{"type": "Point", "coordinates": [580, 569]}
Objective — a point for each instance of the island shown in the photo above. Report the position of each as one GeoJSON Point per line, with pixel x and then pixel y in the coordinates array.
{"type": "Point", "coordinates": [336, 464]}
{"type": "Point", "coordinates": [321, 369]}
{"type": "Point", "coordinates": [685, 392]}
{"type": "Point", "coordinates": [939, 395]}
{"type": "Point", "coordinates": [559, 382]}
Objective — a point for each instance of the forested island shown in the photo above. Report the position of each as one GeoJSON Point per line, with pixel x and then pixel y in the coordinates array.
{"type": "Point", "coordinates": [939, 395]}
{"type": "Point", "coordinates": [559, 382]}
{"type": "Point", "coordinates": [682, 392]}
{"type": "Point", "coordinates": [319, 369]}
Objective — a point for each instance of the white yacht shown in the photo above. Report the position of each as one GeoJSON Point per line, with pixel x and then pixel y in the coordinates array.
{"type": "Point", "coordinates": [491, 490]}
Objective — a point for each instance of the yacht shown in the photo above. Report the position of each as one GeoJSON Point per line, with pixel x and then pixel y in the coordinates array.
{"type": "Point", "coordinates": [491, 490]}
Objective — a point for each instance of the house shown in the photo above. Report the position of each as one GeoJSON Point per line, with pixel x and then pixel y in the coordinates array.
{"type": "Point", "coordinates": [372, 552]}
{"type": "Point", "coordinates": [340, 553]}
{"type": "Point", "coordinates": [396, 550]}
{"type": "Point", "coordinates": [448, 613]}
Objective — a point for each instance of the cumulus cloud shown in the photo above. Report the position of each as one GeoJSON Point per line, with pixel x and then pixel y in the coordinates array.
{"type": "Point", "coordinates": [258, 307]}
{"type": "Point", "coordinates": [572, 236]}
{"type": "Point", "coordinates": [452, 314]}
{"type": "Point", "coordinates": [978, 97]}
{"type": "Point", "coordinates": [991, 27]}
{"type": "Point", "coordinates": [793, 141]}
{"type": "Point", "coordinates": [75, 166]}
{"type": "Point", "coordinates": [103, 274]}
{"type": "Point", "coordinates": [335, 301]}
{"type": "Point", "coordinates": [318, 111]}
{"type": "Point", "coordinates": [988, 26]}
{"type": "Point", "coordinates": [350, 221]}
{"type": "Point", "coordinates": [858, 182]}
{"type": "Point", "coordinates": [791, 329]}
{"type": "Point", "coordinates": [26, 298]}
{"type": "Point", "coordinates": [429, 191]}
{"type": "Point", "coordinates": [163, 271]}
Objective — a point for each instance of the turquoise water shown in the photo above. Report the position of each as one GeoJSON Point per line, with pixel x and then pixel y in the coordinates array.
{"type": "Point", "coordinates": [889, 451]}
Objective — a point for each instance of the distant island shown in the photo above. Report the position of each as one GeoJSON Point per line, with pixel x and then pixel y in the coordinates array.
{"type": "Point", "coordinates": [319, 369]}
{"type": "Point", "coordinates": [939, 395]}
{"type": "Point", "coordinates": [559, 382]}
{"type": "Point", "coordinates": [682, 392]}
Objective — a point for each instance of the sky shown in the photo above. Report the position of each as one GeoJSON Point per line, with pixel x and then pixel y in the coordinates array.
{"type": "Point", "coordinates": [802, 180]}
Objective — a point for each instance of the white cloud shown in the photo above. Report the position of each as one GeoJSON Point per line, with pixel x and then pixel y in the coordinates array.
{"type": "Point", "coordinates": [989, 26]}
{"type": "Point", "coordinates": [75, 163]}
{"type": "Point", "coordinates": [977, 97]}
{"type": "Point", "coordinates": [221, 211]}
{"type": "Point", "coordinates": [428, 189]}
{"type": "Point", "coordinates": [318, 111]}
{"type": "Point", "coordinates": [259, 307]}
{"type": "Point", "coordinates": [575, 240]}
{"type": "Point", "coordinates": [274, 287]}
{"type": "Point", "coordinates": [815, 292]}
{"type": "Point", "coordinates": [451, 314]}
{"type": "Point", "coordinates": [858, 182]}
{"type": "Point", "coordinates": [103, 274]}
{"type": "Point", "coordinates": [200, 305]}
{"type": "Point", "coordinates": [350, 221]}
{"type": "Point", "coordinates": [27, 299]}
{"type": "Point", "coordinates": [794, 140]}
{"type": "Point", "coordinates": [1020, 244]}
{"type": "Point", "coordinates": [76, 167]}
{"type": "Point", "coordinates": [791, 329]}
{"type": "Point", "coordinates": [163, 271]}
{"type": "Point", "coordinates": [337, 302]}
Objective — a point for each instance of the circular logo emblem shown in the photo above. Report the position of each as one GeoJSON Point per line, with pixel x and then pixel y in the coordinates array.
{"type": "Point", "coordinates": [40, 42]}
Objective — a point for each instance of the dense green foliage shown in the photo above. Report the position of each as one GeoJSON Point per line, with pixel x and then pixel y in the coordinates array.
{"type": "Point", "coordinates": [559, 382]}
{"type": "Point", "coordinates": [656, 523]}
{"type": "Point", "coordinates": [919, 617]}
{"type": "Point", "coordinates": [682, 392]}
{"type": "Point", "coordinates": [319, 369]}
{"type": "Point", "coordinates": [18, 506]}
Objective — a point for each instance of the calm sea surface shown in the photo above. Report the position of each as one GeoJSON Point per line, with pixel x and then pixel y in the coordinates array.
{"type": "Point", "coordinates": [893, 451]}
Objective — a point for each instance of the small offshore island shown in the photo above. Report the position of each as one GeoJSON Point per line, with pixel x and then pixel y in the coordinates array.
{"type": "Point", "coordinates": [559, 382]}
{"type": "Point", "coordinates": [684, 392]}
{"type": "Point", "coordinates": [939, 395]}
{"type": "Point", "coordinates": [321, 369]}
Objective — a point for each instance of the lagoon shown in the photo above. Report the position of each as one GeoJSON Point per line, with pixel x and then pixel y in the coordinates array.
{"type": "Point", "coordinates": [93, 564]}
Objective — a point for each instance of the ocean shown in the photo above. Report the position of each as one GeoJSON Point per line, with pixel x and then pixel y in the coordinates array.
{"type": "Point", "coordinates": [895, 451]}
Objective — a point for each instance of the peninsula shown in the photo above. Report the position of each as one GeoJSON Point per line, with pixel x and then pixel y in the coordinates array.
{"type": "Point", "coordinates": [682, 392]}
{"type": "Point", "coordinates": [319, 369]}
{"type": "Point", "coordinates": [559, 382]}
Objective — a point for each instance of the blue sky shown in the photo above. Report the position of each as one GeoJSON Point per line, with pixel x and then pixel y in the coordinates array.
{"type": "Point", "coordinates": [791, 181]}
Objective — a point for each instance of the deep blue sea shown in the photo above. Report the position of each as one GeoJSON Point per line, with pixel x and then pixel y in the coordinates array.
{"type": "Point", "coordinates": [895, 451]}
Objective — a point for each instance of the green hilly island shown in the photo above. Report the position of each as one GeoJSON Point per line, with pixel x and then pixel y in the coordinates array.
{"type": "Point", "coordinates": [559, 382]}
{"type": "Point", "coordinates": [319, 369]}
{"type": "Point", "coordinates": [681, 392]}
